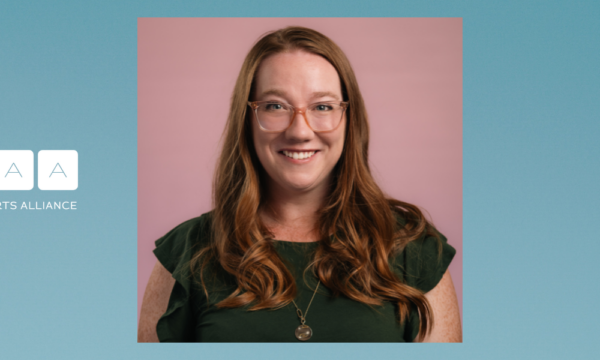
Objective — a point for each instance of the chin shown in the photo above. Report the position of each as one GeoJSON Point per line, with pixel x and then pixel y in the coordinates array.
{"type": "Point", "coordinates": [299, 184]}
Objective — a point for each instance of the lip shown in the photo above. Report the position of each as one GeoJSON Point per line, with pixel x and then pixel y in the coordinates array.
{"type": "Point", "coordinates": [297, 150]}
{"type": "Point", "coordinates": [298, 161]}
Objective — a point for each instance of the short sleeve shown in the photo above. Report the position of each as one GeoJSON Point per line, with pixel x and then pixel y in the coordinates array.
{"type": "Point", "coordinates": [421, 265]}
{"type": "Point", "coordinates": [174, 251]}
{"type": "Point", "coordinates": [423, 262]}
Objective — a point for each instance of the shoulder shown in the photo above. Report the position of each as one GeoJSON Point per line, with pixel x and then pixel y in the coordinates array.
{"type": "Point", "coordinates": [423, 261]}
{"type": "Point", "coordinates": [194, 226]}
{"type": "Point", "coordinates": [168, 293]}
{"type": "Point", "coordinates": [183, 240]}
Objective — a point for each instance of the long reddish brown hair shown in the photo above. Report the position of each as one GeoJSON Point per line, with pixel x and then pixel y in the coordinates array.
{"type": "Point", "coordinates": [358, 225]}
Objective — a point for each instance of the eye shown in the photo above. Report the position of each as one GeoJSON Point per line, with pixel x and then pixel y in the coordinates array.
{"type": "Point", "coordinates": [274, 106]}
{"type": "Point", "coordinates": [323, 107]}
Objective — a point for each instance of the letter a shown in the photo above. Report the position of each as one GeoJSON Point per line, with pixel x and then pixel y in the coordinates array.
{"type": "Point", "coordinates": [57, 172]}
{"type": "Point", "coordinates": [13, 172]}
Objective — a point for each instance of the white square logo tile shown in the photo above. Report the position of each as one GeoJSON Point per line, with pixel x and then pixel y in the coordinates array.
{"type": "Point", "coordinates": [16, 169]}
{"type": "Point", "coordinates": [57, 170]}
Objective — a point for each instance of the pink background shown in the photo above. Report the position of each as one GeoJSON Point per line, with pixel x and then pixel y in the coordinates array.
{"type": "Point", "coordinates": [410, 74]}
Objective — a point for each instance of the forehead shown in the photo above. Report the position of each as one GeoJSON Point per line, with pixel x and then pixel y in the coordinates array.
{"type": "Point", "coordinates": [297, 72]}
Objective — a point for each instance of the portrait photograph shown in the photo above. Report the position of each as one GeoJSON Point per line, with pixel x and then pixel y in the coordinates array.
{"type": "Point", "coordinates": [300, 180]}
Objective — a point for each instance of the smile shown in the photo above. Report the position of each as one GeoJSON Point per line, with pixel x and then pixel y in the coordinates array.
{"type": "Point", "coordinates": [298, 155]}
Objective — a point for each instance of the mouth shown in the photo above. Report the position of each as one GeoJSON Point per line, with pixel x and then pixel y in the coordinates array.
{"type": "Point", "coordinates": [299, 155]}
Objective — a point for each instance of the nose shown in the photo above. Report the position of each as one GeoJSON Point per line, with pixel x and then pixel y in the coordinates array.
{"type": "Point", "coordinates": [299, 129]}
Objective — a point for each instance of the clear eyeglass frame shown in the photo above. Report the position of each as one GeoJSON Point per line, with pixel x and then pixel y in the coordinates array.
{"type": "Point", "coordinates": [254, 105]}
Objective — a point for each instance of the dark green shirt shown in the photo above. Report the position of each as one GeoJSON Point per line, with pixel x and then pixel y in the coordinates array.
{"type": "Point", "coordinates": [191, 317]}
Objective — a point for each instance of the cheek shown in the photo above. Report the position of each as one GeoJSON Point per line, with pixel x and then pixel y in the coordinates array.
{"type": "Point", "coordinates": [335, 143]}
{"type": "Point", "coordinates": [261, 145]}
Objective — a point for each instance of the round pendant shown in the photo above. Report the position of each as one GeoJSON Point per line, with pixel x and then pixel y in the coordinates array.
{"type": "Point", "coordinates": [303, 332]}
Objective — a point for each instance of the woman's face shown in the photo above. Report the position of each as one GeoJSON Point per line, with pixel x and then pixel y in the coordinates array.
{"type": "Point", "coordinates": [299, 79]}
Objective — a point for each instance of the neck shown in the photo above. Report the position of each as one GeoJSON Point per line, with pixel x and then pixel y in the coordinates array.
{"type": "Point", "coordinates": [292, 216]}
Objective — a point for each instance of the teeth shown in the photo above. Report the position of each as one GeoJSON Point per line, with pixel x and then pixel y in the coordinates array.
{"type": "Point", "coordinates": [299, 155]}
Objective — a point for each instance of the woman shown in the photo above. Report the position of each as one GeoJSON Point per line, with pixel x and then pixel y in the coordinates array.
{"type": "Point", "coordinates": [302, 244]}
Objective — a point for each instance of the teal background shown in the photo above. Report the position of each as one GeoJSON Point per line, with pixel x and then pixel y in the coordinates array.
{"type": "Point", "coordinates": [531, 175]}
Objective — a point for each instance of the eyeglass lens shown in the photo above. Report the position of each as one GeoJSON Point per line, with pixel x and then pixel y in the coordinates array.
{"type": "Point", "coordinates": [278, 116]}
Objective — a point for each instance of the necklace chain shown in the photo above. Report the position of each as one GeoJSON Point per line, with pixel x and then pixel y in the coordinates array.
{"type": "Point", "coordinates": [299, 312]}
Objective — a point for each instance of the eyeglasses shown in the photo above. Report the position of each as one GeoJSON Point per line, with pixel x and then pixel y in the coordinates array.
{"type": "Point", "coordinates": [274, 116]}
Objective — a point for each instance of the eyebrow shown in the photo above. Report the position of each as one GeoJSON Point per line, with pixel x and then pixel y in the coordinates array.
{"type": "Point", "coordinates": [273, 92]}
{"type": "Point", "coordinates": [320, 94]}
{"type": "Point", "coordinates": [317, 94]}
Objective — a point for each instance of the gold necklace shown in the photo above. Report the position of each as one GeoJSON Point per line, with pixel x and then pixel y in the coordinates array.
{"type": "Point", "coordinates": [304, 332]}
